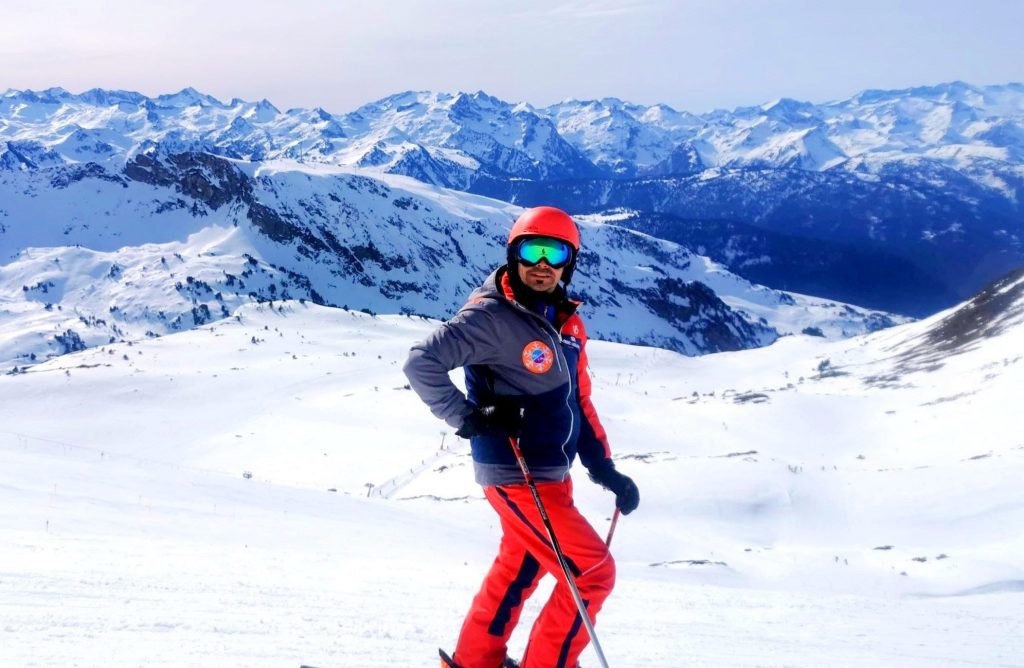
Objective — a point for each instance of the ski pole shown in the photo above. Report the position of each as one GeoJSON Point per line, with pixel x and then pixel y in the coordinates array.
{"type": "Point", "coordinates": [580, 605]}
{"type": "Point", "coordinates": [611, 529]}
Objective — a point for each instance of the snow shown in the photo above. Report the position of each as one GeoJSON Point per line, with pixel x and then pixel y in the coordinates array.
{"type": "Point", "coordinates": [794, 511]}
{"type": "Point", "coordinates": [264, 490]}
{"type": "Point", "coordinates": [472, 133]}
{"type": "Point", "coordinates": [128, 259]}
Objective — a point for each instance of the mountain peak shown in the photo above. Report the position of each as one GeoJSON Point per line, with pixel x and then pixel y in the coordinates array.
{"type": "Point", "coordinates": [188, 97]}
{"type": "Point", "coordinates": [262, 112]}
{"type": "Point", "coordinates": [664, 108]}
{"type": "Point", "coordinates": [479, 101]}
{"type": "Point", "coordinates": [943, 92]}
{"type": "Point", "coordinates": [399, 102]}
{"type": "Point", "coordinates": [53, 95]}
{"type": "Point", "coordinates": [787, 104]}
{"type": "Point", "coordinates": [108, 97]}
{"type": "Point", "coordinates": [488, 98]}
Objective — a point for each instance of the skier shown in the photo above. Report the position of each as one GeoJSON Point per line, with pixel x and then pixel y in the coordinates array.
{"type": "Point", "coordinates": [523, 348]}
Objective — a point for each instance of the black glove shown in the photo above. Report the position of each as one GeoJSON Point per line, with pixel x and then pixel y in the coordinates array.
{"type": "Point", "coordinates": [497, 420]}
{"type": "Point", "coordinates": [627, 495]}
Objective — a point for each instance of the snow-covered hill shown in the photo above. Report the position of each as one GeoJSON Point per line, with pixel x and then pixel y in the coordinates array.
{"type": "Point", "coordinates": [264, 490]}
{"type": "Point", "coordinates": [176, 240]}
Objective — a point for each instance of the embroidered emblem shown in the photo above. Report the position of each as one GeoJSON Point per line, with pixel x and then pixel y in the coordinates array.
{"type": "Point", "coordinates": [538, 357]}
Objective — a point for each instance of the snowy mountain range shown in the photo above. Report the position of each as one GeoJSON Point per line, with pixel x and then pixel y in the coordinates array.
{"type": "Point", "coordinates": [125, 218]}
{"type": "Point", "coordinates": [929, 179]}
{"type": "Point", "coordinates": [264, 490]}
{"type": "Point", "coordinates": [975, 130]}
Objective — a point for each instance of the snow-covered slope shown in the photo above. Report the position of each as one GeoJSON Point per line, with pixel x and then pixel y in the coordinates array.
{"type": "Point", "coordinates": [264, 490]}
{"type": "Point", "coordinates": [623, 136]}
{"type": "Point", "coordinates": [175, 240]}
{"type": "Point", "coordinates": [473, 131]}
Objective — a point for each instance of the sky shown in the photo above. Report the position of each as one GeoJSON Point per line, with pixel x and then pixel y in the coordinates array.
{"type": "Point", "coordinates": [694, 55]}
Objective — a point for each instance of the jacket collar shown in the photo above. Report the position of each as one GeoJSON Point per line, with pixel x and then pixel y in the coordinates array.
{"type": "Point", "coordinates": [498, 286]}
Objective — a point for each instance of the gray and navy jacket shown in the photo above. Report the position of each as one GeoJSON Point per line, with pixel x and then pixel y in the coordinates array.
{"type": "Point", "coordinates": [512, 354]}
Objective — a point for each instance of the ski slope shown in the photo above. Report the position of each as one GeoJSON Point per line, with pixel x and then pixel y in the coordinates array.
{"type": "Point", "coordinates": [264, 491]}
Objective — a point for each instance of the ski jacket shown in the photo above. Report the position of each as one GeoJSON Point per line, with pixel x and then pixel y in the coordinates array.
{"type": "Point", "coordinates": [512, 354]}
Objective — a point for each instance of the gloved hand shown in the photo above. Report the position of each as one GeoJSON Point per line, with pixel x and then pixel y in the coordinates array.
{"type": "Point", "coordinates": [497, 420]}
{"type": "Point", "coordinates": [627, 495]}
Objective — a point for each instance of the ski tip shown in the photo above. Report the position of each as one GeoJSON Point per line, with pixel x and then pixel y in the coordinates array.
{"type": "Point", "coordinates": [446, 661]}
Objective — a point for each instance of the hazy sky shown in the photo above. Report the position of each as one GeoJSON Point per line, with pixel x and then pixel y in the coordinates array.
{"type": "Point", "coordinates": [694, 55]}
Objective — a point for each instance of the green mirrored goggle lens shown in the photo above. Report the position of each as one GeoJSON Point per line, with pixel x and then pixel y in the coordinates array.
{"type": "Point", "coordinates": [556, 252]}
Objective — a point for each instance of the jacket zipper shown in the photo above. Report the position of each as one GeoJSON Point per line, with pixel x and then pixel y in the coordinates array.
{"type": "Point", "coordinates": [557, 350]}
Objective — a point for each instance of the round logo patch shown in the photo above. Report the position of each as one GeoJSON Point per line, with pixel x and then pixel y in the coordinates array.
{"type": "Point", "coordinates": [538, 357]}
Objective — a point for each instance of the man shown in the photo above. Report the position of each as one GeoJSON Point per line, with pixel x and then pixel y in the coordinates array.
{"type": "Point", "coordinates": [523, 349]}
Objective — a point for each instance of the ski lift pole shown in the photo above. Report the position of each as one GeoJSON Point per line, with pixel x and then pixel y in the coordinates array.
{"type": "Point", "coordinates": [580, 605]}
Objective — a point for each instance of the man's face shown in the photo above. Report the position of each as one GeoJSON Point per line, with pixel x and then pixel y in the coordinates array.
{"type": "Point", "coordinates": [541, 276]}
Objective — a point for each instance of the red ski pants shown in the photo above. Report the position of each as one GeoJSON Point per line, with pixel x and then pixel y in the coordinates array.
{"type": "Point", "coordinates": [524, 556]}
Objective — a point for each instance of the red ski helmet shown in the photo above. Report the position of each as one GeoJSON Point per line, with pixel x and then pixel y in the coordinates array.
{"type": "Point", "coordinates": [545, 221]}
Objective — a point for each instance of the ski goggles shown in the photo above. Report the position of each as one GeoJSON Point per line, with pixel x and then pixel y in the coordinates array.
{"type": "Point", "coordinates": [555, 252]}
